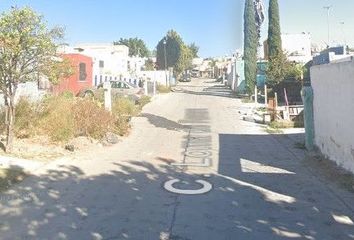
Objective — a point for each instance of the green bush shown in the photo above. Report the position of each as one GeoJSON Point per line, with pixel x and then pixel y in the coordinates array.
{"type": "Point", "coordinates": [281, 124]}
{"type": "Point", "coordinates": [143, 101]}
{"type": "Point", "coordinates": [67, 94]}
{"type": "Point", "coordinates": [123, 107]}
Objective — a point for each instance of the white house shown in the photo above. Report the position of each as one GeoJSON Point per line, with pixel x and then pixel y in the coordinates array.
{"type": "Point", "coordinates": [109, 61]}
{"type": "Point", "coordinates": [297, 47]}
{"type": "Point", "coordinates": [135, 65]}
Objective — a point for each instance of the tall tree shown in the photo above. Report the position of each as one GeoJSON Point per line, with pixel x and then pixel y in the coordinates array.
{"type": "Point", "coordinates": [137, 46]}
{"type": "Point", "coordinates": [27, 50]}
{"type": "Point", "coordinates": [178, 55]}
{"type": "Point", "coordinates": [250, 46]}
{"type": "Point", "coordinates": [194, 49]}
{"type": "Point", "coordinates": [274, 33]}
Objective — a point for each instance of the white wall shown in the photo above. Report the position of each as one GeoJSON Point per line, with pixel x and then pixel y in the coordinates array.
{"type": "Point", "coordinates": [158, 76]}
{"type": "Point", "coordinates": [297, 46]}
{"type": "Point", "coordinates": [115, 58]}
{"type": "Point", "coordinates": [333, 86]}
{"type": "Point", "coordinates": [27, 90]}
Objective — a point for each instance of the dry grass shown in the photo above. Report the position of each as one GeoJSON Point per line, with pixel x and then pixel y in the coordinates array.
{"type": "Point", "coordinates": [330, 171]}
{"type": "Point", "coordinates": [62, 118]}
{"type": "Point", "coordinates": [163, 89]}
{"type": "Point", "coordinates": [281, 124]}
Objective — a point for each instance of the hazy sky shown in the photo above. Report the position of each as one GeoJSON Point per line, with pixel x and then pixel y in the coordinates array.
{"type": "Point", "coordinates": [215, 25]}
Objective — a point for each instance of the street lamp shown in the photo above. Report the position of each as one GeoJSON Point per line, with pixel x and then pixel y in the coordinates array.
{"type": "Point", "coordinates": [328, 8]}
{"type": "Point", "coordinates": [343, 33]}
{"type": "Point", "coordinates": [164, 48]}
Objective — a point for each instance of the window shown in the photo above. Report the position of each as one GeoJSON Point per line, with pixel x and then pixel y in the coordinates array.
{"type": "Point", "coordinates": [101, 79]}
{"type": "Point", "coordinates": [101, 64]}
{"type": "Point", "coordinates": [82, 72]}
{"type": "Point", "coordinates": [95, 80]}
{"type": "Point", "coordinates": [105, 78]}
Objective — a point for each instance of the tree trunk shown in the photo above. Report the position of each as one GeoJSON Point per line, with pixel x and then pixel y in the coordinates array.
{"type": "Point", "coordinates": [10, 122]}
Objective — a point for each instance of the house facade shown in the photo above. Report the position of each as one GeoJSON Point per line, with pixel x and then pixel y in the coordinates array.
{"type": "Point", "coordinates": [81, 77]}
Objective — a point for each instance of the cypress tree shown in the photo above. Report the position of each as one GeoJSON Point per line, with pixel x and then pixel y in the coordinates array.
{"type": "Point", "coordinates": [250, 46]}
{"type": "Point", "coordinates": [274, 34]}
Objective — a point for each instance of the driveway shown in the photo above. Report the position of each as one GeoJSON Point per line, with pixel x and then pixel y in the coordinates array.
{"type": "Point", "coordinates": [156, 183]}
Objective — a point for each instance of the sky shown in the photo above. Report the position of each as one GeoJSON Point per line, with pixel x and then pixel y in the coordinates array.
{"type": "Point", "coordinates": [216, 26]}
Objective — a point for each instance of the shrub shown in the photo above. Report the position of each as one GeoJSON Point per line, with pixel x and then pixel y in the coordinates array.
{"type": "Point", "coordinates": [143, 101]}
{"type": "Point", "coordinates": [26, 118]}
{"type": "Point", "coordinates": [57, 119]}
{"type": "Point", "coordinates": [163, 89]}
{"type": "Point", "coordinates": [91, 119]}
{"type": "Point", "coordinates": [67, 94]}
{"type": "Point", "coordinates": [123, 109]}
{"type": "Point", "coordinates": [281, 124]}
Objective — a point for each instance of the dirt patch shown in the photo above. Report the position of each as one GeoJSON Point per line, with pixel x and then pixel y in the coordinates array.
{"type": "Point", "coordinates": [38, 148]}
{"type": "Point", "coordinates": [330, 171]}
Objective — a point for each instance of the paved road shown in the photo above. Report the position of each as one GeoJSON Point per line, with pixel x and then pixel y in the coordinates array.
{"type": "Point", "coordinates": [260, 186]}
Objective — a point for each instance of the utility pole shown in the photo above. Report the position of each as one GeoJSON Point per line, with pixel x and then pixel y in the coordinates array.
{"type": "Point", "coordinates": [164, 48]}
{"type": "Point", "coordinates": [343, 34]}
{"type": "Point", "coordinates": [328, 8]}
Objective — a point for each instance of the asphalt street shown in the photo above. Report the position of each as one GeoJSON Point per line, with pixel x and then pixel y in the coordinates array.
{"type": "Point", "coordinates": [191, 169]}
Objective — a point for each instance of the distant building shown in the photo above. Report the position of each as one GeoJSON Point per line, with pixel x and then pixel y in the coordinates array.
{"type": "Point", "coordinates": [81, 78]}
{"type": "Point", "coordinates": [296, 46]}
{"type": "Point", "coordinates": [109, 61]}
{"type": "Point", "coordinates": [331, 55]}
{"type": "Point", "coordinates": [136, 65]}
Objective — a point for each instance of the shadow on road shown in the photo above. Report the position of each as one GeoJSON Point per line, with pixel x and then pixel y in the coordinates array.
{"type": "Point", "coordinates": [216, 90]}
{"type": "Point", "coordinates": [274, 194]}
{"type": "Point", "coordinates": [162, 122]}
{"type": "Point", "coordinates": [258, 193]}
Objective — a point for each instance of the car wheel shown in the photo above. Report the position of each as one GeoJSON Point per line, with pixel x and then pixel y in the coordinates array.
{"type": "Point", "coordinates": [88, 94]}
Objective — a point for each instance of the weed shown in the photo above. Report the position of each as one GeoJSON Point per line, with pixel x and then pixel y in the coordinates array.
{"type": "Point", "coordinates": [163, 89]}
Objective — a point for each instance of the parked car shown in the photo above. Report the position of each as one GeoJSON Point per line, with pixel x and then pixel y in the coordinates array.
{"type": "Point", "coordinates": [186, 77]}
{"type": "Point", "coordinates": [118, 89]}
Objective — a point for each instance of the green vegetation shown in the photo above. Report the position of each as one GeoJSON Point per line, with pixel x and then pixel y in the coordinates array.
{"type": "Point", "coordinates": [278, 68]}
{"type": "Point", "coordinates": [178, 54]}
{"type": "Point", "coordinates": [143, 101]}
{"type": "Point", "coordinates": [163, 89]}
{"type": "Point", "coordinates": [194, 49]}
{"type": "Point", "coordinates": [137, 47]}
{"type": "Point", "coordinates": [250, 46]}
{"type": "Point", "coordinates": [274, 33]}
{"type": "Point", "coordinates": [26, 41]}
{"type": "Point", "coordinates": [149, 65]}
{"type": "Point", "coordinates": [281, 124]}
{"type": "Point", "coordinates": [65, 117]}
